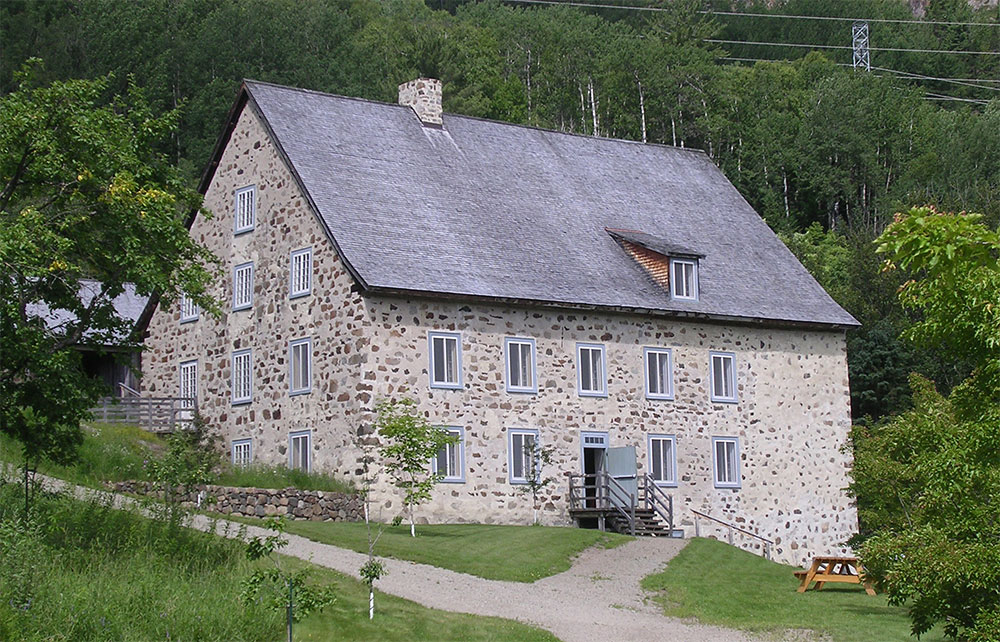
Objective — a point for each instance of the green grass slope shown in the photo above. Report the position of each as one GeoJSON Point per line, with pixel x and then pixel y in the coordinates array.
{"type": "Point", "coordinates": [719, 584]}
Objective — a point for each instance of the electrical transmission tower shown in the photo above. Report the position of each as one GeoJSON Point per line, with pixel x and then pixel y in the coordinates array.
{"type": "Point", "coordinates": [859, 36]}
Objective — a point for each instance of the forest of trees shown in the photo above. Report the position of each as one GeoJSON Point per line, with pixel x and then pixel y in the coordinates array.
{"type": "Point", "coordinates": [824, 153]}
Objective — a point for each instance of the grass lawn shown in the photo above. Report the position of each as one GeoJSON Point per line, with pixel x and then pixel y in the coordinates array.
{"type": "Point", "coordinates": [512, 553]}
{"type": "Point", "coordinates": [119, 452]}
{"type": "Point", "coordinates": [84, 571]}
{"type": "Point", "coordinates": [109, 452]}
{"type": "Point", "coordinates": [719, 584]}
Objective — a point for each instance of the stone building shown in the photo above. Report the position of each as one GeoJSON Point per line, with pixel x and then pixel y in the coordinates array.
{"type": "Point", "coordinates": [519, 284]}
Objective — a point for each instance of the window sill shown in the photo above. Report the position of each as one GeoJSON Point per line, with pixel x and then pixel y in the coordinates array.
{"type": "Point", "coordinates": [659, 397]}
{"type": "Point", "coordinates": [447, 386]}
{"type": "Point", "coordinates": [522, 391]}
{"type": "Point", "coordinates": [242, 402]}
{"type": "Point", "coordinates": [299, 393]}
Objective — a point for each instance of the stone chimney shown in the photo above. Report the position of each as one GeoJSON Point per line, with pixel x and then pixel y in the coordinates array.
{"type": "Point", "coordinates": [424, 96]}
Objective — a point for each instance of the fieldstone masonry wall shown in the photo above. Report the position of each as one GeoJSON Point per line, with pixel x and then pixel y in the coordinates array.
{"type": "Point", "coordinates": [315, 505]}
{"type": "Point", "coordinates": [791, 418]}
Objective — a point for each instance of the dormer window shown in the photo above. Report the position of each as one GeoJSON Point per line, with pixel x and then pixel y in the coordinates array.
{"type": "Point", "coordinates": [684, 279]}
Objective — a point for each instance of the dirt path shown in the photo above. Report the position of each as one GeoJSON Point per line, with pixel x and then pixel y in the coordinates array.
{"type": "Point", "coordinates": [599, 598]}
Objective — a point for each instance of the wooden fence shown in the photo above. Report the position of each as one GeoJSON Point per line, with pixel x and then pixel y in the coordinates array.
{"type": "Point", "coordinates": [156, 414]}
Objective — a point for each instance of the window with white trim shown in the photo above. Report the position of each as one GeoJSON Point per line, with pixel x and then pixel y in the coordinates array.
{"type": "Point", "coordinates": [520, 356]}
{"type": "Point", "coordinates": [684, 279]}
{"type": "Point", "coordinates": [189, 383]}
{"type": "Point", "coordinates": [659, 373]}
{"type": "Point", "coordinates": [245, 209]}
{"type": "Point", "coordinates": [445, 359]}
{"type": "Point", "coordinates": [723, 376]}
{"type": "Point", "coordinates": [591, 378]}
{"type": "Point", "coordinates": [243, 286]}
{"type": "Point", "coordinates": [189, 309]}
{"type": "Point", "coordinates": [299, 450]}
{"type": "Point", "coordinates": [726, 461]}
{"type": "Point", "coordinates": [242, 452]}
{"type": "Point", "coordinates": [242, 376]}
{"type": "Point", "coordinates": [300, 270]}
{"type": "Point", "coordinates": [300, 363]}
{"type": "Point", "coordinates": [663, 459]}
{"type": "Point", "coordinates": [450, 460]}
{"type": "Point", "coordinates": [519, 449]}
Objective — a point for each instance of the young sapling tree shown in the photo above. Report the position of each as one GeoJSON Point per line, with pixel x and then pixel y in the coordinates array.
{"type": "Point", "coordinates": [278, 587]}
{"type": "Point", "coordinates": [536, 458]}
{"type": "Point", "coordinates": [409, 444]}
{"type": "Point", "coordinates": [373, 568]}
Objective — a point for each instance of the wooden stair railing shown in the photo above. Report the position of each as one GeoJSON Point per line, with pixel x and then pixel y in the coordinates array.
{"type": "Point", "coordinates": [648, 511]}
{"type": "Point", "coordinates": [766, 549]}
{"type": "Point", "coordinates": [156, 414]}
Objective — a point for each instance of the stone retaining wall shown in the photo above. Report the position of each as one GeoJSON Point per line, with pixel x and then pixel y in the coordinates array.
{"type": "Point", "coordinates": [293, 503]}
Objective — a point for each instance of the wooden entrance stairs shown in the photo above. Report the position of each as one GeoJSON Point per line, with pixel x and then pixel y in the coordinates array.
{"type": "Point", "coordinates": [646, 512]}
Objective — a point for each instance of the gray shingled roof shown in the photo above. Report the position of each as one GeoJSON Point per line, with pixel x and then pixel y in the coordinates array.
{"type": "Point", "coordinates": [482, 208]}
{"type": "Point", "coordinates": [129, 306]}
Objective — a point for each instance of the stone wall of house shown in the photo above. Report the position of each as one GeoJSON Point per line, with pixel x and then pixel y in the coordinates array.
{"type": "Point", "coordinates": [293, 503]}
{"type": "Point", "coordinates": [791, 418]}
{"type": "Point", "coordinates": [332, 316]}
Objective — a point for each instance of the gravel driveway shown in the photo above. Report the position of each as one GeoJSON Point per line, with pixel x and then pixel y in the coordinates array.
{"type": "Point", "coordinates": [599, 598]}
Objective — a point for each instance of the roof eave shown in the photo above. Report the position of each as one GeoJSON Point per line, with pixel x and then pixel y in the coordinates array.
{"type": "Point", "coordinates": [657, 312]}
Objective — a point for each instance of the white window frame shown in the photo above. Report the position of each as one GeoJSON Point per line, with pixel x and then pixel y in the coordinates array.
{"type": "Point", "coordinates": [647, 355]}
{"type": "Point", "coordinates": [188, 380]}
{"type": "Point", "coordinates": [292, 438]}
{"type": "Point", "coordinates": [603, 379]}
{"type": "Point", "coordinates": [189, 309]}
{"type": "Point", "coordinates": [244, 221]}
{"type": "Point", "coordinates": [235, 381]}
{"type": "Point", "coordinates": [508, 343]}
{"type": "Point", "coordinates": [735, 443]}
{"type": "Point", "coordinates": [446, 337]}
{"type": "Point", "coordinates": [237, 446]}
{"type": "Point", "coordinates": [721, 358]}
{"type": "Point", "coordinates": [511, 432]}
{"type": "Point", "coordinates": [300, 276]}
{"type": "Point", "coordinates": [651, 438]}
{"type": "Point", "coordinates": [458, 476]}
{"type": "Point", "coordinates": [292, 345]}
{"type": "Point", "coordinates": [674, 282]}
{"type": "Point", "coordinates": [243, 290]}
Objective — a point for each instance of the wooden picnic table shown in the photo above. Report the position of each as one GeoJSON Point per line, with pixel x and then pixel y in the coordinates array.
{"type": "Point", "coordinates": [833, 569]}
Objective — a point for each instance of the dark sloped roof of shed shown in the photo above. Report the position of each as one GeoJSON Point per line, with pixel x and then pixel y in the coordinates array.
{"type": "Point", "coordinates": [481, 208]}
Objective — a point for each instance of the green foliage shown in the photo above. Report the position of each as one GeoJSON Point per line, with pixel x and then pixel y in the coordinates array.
{"type": "Point", "coordinates": [265, 476]}
{"type": "Point", "coordinates": [928, 481]}
{"type": "Point", "coordinates": [82, 571]}
{"type": "Point", "coordinates": [699, 583]}
{"type": "Point", "coordinates": [279, 588]}
{"type": "Point", "coordinates": [537, 457]}
{"type": "Point", "coordinates": [83, 195]}
{"type": "Point", "coordinates": [410, 442]}
{"type": "Point", "coordinates": [190, 460]}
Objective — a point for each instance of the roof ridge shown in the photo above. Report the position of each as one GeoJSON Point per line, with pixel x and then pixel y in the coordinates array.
{"type": "Point", "coordinates": [316, 92]}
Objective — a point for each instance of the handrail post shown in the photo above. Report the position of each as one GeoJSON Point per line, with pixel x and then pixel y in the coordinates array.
{"type": "Point", "coordinates": [631, 497]}
{"type": "Point", "coordinates": [697, 526]}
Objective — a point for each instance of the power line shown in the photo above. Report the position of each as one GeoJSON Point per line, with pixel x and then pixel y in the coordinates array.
{"type": "Point", "coordinates": [595, 5]}
{"type": "Point", "coordinates": [948, 80]}
{"type": "Point", "coordinates": [813, 46]}
{"type": "Point", "coordinates": [880, 20]}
